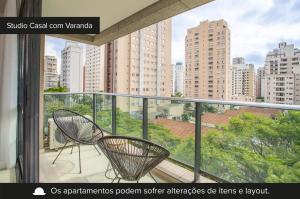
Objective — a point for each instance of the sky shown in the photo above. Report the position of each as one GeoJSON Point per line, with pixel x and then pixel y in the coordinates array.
{"type": "Point", "coordinates": [257, 26]}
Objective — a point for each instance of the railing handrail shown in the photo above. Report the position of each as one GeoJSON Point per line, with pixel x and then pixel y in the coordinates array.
{"type": "Point", "coordinates": [208, 101]}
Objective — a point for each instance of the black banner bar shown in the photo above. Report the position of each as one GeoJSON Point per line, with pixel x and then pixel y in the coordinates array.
{"type": "Point", "coordinates": [49, 25]}
{"type": "Point", "coordinates": [133, 190]}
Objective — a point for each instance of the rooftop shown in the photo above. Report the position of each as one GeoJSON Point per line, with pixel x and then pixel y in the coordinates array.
{"type": "Point", "coordinates": [209, 120]}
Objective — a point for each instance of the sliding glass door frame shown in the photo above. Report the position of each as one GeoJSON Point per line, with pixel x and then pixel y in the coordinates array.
{"type": "Point", "coordinates": [29, 45]}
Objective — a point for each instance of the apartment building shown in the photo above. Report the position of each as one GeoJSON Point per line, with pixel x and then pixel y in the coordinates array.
{"type": "Point", "coordinates": [72, 67]}
{"type": "Point", "coordinates": [94, 68]}
{"type": "Point", "coordinates": [282, 74]}
{"type": "Point", "coordinates": [260, 82]}
{"type": "Point", "coordinates": [83, 80]}
{"type": "Point", "coordinates": [50, 72]}
{"type": "Point", "coordinates": [242, 80]}
{"type": "Point", "coordinates": [238, 60]}
{"type": "Point", "coordinates": [207, 55]}
{"type": "Point", "coordinates": [173, 78]}
{"type": "Point", "coordinates": [140, 63]}
{"type": "Point", "coordinates": [179, 78]}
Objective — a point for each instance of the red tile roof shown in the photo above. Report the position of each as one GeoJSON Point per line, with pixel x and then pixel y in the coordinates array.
{"type": "Point", "coordinates": [183, 129]}
{"type": "Point", "coordinates": [179, 128]}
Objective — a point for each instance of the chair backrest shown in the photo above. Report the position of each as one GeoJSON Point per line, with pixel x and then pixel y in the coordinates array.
{"type": "Point", "coordinates": [133, 158]}
{"type": "Point", "coordinates": [77, 127]}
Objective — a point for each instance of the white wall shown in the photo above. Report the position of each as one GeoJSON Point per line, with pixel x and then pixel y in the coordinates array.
{"type": "Point", "coordinates": [76, 70]}
{"type": "Point", "coordinates": [179, 78]}
{"type": "Point", "coordinates": [8, 93]}
{"type": "Point", "coordinates": [73, 75]}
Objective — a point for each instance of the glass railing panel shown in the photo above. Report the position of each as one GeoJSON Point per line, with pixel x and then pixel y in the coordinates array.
{"type": "Point", "coordinates": [244, 144]}
{"type": "Point", "coordinates": [172, 125]}
{"type": "Point", "coordinates": [80, 103]}
{"type": "Point", "coordinates": [104, 112]}
{"type": "Point", "coordinates": [129, 116]}
{"type": "Point", "coordinates": [238, 143]}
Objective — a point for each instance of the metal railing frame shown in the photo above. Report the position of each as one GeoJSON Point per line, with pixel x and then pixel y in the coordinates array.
{"type": "Point", "coordinates": [198, 110]}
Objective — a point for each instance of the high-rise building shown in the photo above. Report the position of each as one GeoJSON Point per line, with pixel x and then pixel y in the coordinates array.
{"type": "Point", "coordinates": [109, 65]}
{"type": "Point", "coordinates": [260, 82]}
{"type": "Point", "coordinates": [173, 78]}
{"type": "Point", "coordinates": [179, 78]}
{"type": "Point", "coordinates": [140, 63]}
{"type": "Point", "coordinates": [238, 60]}
{"type": "Point", "coordinates": [207, 55]}
{"type": "Point", "coordinates": [282, 74]}
{"type": "Point", "coordinates": [50, 72]}
{"type": "Point", "coordinates": [72, 67]}
{"type": "Point", "coordinates": [84, 72]}
{"type": "Point", "coordinates": [242, 80]}
{"type": "Point", "coordinates": [94, 69]}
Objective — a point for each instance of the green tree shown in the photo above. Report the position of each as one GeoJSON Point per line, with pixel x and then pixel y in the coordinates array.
{"type": "Point", "coordinates": [177, 94]}
{"type": "Point", "coordinates": [255, 149]}
{"type": "Point", "coordinates": [56, 90]}
{"type": "Point", "coordinates": [185, 117]}
{"type": "Point", "coordinates": [209, 108]}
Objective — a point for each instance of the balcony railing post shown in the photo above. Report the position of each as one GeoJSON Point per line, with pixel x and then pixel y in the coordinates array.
{"type": "Point", "coordinates": [197, 142]}
{"type": "Point", "coordinates": [114, 115]}
{"type": "Point", "coordinates": [94, 108]}
{"type": "Point", "coordinates": [145, 118]}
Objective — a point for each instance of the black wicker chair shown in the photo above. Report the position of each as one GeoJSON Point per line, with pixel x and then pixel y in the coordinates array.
{"type": "Point", "coordinates": [77, 129]}
{"type": "Point", "coordinates": [131, 158]}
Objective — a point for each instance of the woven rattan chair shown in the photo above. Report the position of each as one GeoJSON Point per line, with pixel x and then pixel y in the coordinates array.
{"type": "Point", "coordinates": [77, 129]}
{"type": "Point", "coordinates": [131, 158]}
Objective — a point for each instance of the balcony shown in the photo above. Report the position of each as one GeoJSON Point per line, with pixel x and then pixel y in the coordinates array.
{"type": "Point", "coordinates": [66, 168]}
{"type": "Point", "coordinates": [209, 140]}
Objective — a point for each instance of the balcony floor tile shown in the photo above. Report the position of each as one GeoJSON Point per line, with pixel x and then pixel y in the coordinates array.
{"type": "Point", "coordinates": [66, 167]}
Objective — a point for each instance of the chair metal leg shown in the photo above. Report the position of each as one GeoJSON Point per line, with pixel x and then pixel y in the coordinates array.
{"type": "Point", "coordinates": [114, 179]}
{"type": "Point", "coordinates": [79, 158]}
{"type": "Point", "coordinates": [97, 149]}
{"type": "Point", "coordinates": [152, 177]}
{"type": "Point", "coordinates": [71, 150]}
{"type": "Point", "coordinates": [60, 152]}
{"type": "Point", "coordinates": [108, 171]}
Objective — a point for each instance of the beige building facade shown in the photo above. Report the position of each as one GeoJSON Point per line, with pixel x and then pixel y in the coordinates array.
{"type": "Point", "coordinates": [260, 82]}
{"type": "Point", "coordinates": [94, 68]}
{"type": "Point", "coordinates": [140, 63]}
{"type": "Point", "coordinates": [50, 72]}
{"type": "Point", "coordinates": [242, 80]}
{"type": "Point", "coordinates": [207, 56]}
{"type": "Point", "coordinates": [282, 75]}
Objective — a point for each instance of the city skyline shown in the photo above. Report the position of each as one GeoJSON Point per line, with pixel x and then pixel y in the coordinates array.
{"type": "Point", "coordinates": [259, 25]}
{"type": "Point", "coordinates": [244, 19]}
{"type": "Point", "coordinates": [238, 25]}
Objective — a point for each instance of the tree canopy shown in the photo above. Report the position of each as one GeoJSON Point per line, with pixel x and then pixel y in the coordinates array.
{"type": "Point", "coordinates": [56, 90]}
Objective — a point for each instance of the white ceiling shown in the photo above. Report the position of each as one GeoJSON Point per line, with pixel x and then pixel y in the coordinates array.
{"type": "Point", "coordinates": [110, 11]}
